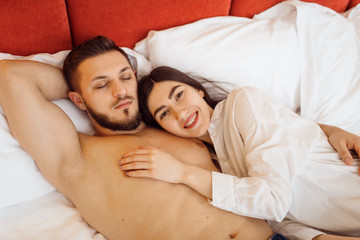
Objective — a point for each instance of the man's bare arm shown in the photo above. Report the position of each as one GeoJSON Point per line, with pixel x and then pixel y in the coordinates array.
{"type": "Point", "coordinates": [42, 128]}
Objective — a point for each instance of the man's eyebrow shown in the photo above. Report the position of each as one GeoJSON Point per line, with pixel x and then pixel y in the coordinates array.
{"type": "Point", "coordinates": [172, 91]}
{"type": "Point", "coordinates": [158, 110]}
{"type": "Point", "coordinates": [98, 78]}
{"type": "Point", "coordinates": [124, 69]}
{"type": "Point", "coordinates": [104, 76]}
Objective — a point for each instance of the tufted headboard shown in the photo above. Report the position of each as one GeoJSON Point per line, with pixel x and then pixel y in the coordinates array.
{"type": "Point", "coordinates": [35, 26]}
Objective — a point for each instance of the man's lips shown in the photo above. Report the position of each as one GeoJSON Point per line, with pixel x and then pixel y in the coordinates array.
{"type": "Point", "coordinates": [123, 104]}
{"type": "Point", "coordinates": [192, 120]}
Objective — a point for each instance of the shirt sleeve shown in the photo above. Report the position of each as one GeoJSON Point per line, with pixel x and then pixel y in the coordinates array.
{"type": "Point", "coordinates": [294, 230]}
{"type": "Point", "coordinates": [277, 145]}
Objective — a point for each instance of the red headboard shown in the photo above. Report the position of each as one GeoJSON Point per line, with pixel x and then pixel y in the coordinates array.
{"type": "Point", "coordinates": [127, 22]}
{"type": "Point", "coordinates": [34, 26]}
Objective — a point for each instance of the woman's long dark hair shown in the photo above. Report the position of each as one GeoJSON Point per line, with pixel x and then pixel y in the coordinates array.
{"type": "Point", "coordinates": [165, 73]}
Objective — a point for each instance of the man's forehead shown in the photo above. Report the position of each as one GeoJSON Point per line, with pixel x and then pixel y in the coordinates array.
{"type": "Point", "coordinates": [103, 64]}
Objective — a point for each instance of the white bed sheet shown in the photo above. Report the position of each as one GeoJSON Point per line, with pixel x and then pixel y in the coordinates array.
{"type": "Point", "coordinates": [52, 216]}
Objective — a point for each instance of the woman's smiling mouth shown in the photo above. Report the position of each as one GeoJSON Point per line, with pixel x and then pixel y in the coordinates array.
{"type": "Point", "coordinates": [192, 120]}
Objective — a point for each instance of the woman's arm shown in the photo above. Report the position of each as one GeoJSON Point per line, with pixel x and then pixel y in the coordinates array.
{"type": "Point", "coordinates": [154, 163]}
{"type": "Point", "coordinates": [334, 237]}
{"type": "Point", "coordinates": [295, 230]}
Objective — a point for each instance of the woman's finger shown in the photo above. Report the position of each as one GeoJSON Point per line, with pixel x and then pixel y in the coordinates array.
{"type": "Point", "coordinates": [138, 173]}
{"type": "Point", "coordinates": [357, 151]}
{"type": "Point", "coordinates": [135, 166]}
{"type": "Point", "coordinates": [344, 152]}
{"type": "Point", "coordinates": [135, 158]}
{"type": "Point", "coordinates": [139, 151]}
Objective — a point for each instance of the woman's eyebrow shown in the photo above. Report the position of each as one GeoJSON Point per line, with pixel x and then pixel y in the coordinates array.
{"type": "Point", "coordinates": [172, 91]}
{"type": "Point", "coordinates": [170, 96]}
{"type": "Point", "coordinates": [158, 109]}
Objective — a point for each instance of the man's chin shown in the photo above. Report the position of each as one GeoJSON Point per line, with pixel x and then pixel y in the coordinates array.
{"type": "Point", "coordinates": [129, 125]}
{"type": "Point", "coordinates": [125, 125]}
{"type": "Point", "coordinates": [129, 122]}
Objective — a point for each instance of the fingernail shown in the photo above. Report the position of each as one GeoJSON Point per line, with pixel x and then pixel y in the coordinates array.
{"type": "Point", "coordinates": [348, 161]}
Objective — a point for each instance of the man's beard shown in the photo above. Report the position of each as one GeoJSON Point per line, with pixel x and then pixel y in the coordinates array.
{"type": "Point", "coordinates": [124, 125]}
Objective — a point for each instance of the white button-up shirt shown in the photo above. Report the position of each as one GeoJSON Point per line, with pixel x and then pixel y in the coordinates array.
{"type": "Point", "coordinates": [262, 148]}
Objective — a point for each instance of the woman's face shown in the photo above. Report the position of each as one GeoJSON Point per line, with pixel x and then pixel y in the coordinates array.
{"type": "Point", "coordinates": [180, 109]}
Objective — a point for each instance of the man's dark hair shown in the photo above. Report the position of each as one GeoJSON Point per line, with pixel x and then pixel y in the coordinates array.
{"type": "Point", "coordinates": [90, 48]}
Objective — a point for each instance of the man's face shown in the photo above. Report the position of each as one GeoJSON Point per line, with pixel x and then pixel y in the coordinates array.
{"type": "Point", "coordinates": [109, 91]}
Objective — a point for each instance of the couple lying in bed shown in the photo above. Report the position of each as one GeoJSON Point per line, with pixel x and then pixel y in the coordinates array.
{"type": "Point", "coordinates": [278, 164]}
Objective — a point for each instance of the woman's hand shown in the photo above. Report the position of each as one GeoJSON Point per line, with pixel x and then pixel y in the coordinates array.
{"type": "Point", "coordinates": [347, 144]}
{"type": "Point", "coordinates": [153, 163]}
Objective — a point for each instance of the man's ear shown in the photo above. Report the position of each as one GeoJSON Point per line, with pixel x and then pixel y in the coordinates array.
{"type": "Point", "coordinates": [76, 98]}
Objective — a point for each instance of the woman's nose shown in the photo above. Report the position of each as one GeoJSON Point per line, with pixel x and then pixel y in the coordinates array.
{"type": "Point", "coordinates": [181, 114]}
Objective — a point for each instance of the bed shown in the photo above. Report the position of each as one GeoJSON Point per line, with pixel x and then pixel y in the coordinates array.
{"type": "Point", "coordinates": [305, 54]}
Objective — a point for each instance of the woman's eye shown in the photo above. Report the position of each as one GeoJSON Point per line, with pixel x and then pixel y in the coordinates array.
{"type": "Point", "coordinates": [164, 114]}
{"type": "Point", "coordinates": [178, 95]}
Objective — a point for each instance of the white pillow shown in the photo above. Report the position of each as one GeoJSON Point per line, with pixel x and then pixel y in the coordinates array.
{"type": "Point", "coordinates": [330, 53]}
{"type": "Point", "coordinates": [20, 179]}
{"type": "Point", "coordinates": [263, 53]}
{"type": "Point", "coordinates": [303, 54]}
{"type": "Point", "coordinates": [353, 15]}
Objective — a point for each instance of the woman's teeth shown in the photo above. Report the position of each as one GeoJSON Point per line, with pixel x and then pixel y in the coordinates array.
{"type": "Point", "coordinates": [191, 120]}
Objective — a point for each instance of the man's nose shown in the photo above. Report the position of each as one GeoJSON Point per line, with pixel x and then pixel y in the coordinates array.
{"type": "Point", "coordinates": [118, 90]}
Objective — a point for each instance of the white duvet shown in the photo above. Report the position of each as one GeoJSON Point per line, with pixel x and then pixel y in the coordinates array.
{"type": "Point", "coordinates": [306, 55]}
